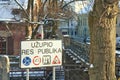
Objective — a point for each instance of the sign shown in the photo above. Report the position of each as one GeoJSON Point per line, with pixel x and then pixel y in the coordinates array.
{"type": "Point", "coordinates": [36, 60]}
{"type": "Point", "coordinates": [56, 60]}
{"type": "Point", "coordinates": [41, 53]}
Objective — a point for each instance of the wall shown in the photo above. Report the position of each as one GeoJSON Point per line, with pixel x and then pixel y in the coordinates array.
{"type": "Point", "coordinates": [83, 29]}
{"type": "Point", "coordinates": [17, 35]}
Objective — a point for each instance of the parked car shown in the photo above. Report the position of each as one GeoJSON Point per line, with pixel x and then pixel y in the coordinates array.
{"type": "Point", "coordinates": [117, 42]}
{"type": "Point", "coordinates": [87, 40]}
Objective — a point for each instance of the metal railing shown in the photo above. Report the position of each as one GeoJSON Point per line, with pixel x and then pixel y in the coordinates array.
{"type": "Point", "coordinates": [79, 52]}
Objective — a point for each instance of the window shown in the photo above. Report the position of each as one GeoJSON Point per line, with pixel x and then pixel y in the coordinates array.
{"type": "Point", "coordinates": [6, 45]}
{"type": "Point", "coordinates": [64, 33]}
{"type": "Point", "coordinates": [2, 45]}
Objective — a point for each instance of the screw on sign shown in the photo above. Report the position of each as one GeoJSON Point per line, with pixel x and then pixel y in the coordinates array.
{"type": "Point", "coordinates": [36, 60]}
{"type": "Point", "coordinates": [56, 60]}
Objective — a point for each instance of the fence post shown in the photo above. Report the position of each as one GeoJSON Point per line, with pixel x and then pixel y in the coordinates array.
{"type": "Point", "coordinates": [4, 67]}
{"type": "Point", "coordinates": [66, 41]}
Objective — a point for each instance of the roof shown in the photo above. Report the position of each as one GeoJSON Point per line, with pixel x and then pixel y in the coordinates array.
{"type": "Point", "coordinates": [6, 9]}
{"type": "Point", "coordinates": [7, 13]}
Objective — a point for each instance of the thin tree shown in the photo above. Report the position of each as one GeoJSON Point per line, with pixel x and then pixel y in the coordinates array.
{"type": "Point", "coordinates": [102, 24]}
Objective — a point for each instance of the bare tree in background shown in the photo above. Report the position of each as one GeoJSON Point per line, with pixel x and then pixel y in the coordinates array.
{"type": "Point", "coordinates": [39, 10]}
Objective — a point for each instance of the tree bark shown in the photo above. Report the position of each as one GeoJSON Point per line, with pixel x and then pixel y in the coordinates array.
{"type": "Point", "coordinates": [30, 12]}
{"type": "Point", "coordinates": [102, 25]}
{"type": "Point", "coordinates": [33, 10]}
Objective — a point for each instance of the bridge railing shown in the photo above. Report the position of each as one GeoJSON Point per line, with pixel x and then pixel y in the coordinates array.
{"type": "Point", "coordinates": [77, 51]}
{"type": "Point", "coordinates": [82, 50]}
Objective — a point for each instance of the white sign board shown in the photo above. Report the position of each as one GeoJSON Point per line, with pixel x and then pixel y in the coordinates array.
{"type": "Point", "coordinates": [41, 53]}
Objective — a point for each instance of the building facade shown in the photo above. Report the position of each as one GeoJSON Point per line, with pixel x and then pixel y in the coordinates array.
{"type": "Point", "coordinates": [82, 28]}
{"type": "Point", "coordinates": [10, 39]}
{"type": "Point", "coordinates": [68, 27]}
{"type": "Point", "coordinates": [118, 24]}
{"type": "Point", "coordinates": [11, 33]}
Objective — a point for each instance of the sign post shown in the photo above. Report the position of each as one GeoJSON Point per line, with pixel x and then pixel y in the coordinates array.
{"type": "Point", "coordinates": [41, 53]}
{"type": "Point", "coordinates": [27, 74]}
{"type": "Point", "coordinates": [54, 73]}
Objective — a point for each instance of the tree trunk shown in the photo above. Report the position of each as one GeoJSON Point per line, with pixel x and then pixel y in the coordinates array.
{"type": "Point", "coordinates": [102, 25]}
{"type": "Point", "coordinates": [33, 10]}
{"type": "Point", "coordinates": [29, 26]}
